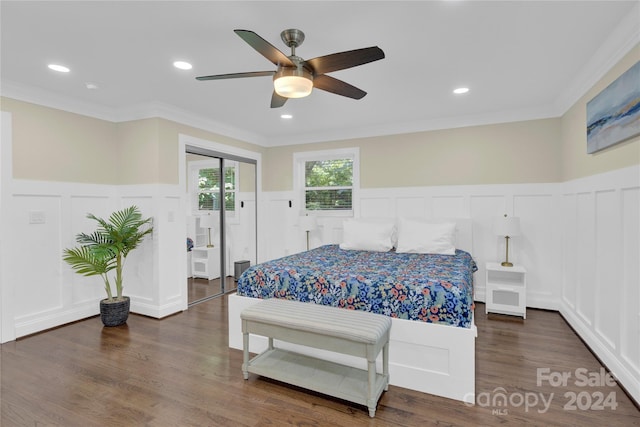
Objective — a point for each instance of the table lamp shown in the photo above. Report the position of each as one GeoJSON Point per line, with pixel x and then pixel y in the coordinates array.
{"type": "Point", "coordinates": [208, 221]}
{"type": "Point", "coordinates": [507, 226]}
{"type": "Point", "coordinates": [307, 223]}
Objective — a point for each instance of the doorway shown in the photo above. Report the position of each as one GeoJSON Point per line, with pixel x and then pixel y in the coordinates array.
{"type": "Point", "coordinates": [221, 221]}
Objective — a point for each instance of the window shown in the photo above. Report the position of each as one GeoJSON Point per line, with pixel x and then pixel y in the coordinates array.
{"type": "Point", "coordinates": [204, 184]}
{"type": "Point", "coordinates": [209, 189]}
{"type": "Point", "coordinates": [327, 180]}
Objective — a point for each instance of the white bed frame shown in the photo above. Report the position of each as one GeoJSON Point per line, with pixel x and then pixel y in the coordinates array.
{"type": "Point", "coordinates": [425, 357]}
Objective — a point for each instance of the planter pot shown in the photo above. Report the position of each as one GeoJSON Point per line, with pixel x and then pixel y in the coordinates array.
{"type": "Point", "coordinates": [114, 313]}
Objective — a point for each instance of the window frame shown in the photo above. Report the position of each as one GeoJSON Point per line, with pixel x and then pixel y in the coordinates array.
{"type": "Point", "coordinates": [299, 161]}
{"type": "Point", "coordinates": [194, 175]}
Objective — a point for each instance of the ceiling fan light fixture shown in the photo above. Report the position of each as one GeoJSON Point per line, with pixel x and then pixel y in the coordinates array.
{"type": "Point", "coordinates": [293, 82]}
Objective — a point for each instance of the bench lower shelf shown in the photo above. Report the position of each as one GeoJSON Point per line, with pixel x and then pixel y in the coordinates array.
{"type": "Point", "coordinates": [318, 375]}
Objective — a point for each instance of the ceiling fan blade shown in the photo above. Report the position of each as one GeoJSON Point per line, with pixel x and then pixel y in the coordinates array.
{"type": "Point", "coordinates": [333, 85]}
{"type": "Point", "coordinates": [347, 59]}
{"type": "Point", "coordinates": [265, 48]}
{"type": "Point", "coordinates": [236, 75]}
{"type": "Point", "coordinates": [277, 101]}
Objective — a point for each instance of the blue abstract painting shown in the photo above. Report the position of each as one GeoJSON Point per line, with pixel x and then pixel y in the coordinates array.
{"type": "Point", "coordinates": [614, 114]}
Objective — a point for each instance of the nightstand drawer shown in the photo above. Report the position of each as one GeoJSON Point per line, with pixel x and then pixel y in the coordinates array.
{"type": "Point", "coordinates": [506, 300]}
{"type": "Point", "coordinates": [506, 290]}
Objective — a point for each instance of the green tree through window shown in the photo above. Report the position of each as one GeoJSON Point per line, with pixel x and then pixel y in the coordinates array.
{"type": "Point", "coordinates": [328, 184]}
{"type": "Point", "coordinates": [209, 189]}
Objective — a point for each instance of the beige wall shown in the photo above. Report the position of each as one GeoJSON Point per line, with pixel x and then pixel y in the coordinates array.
{"type": "Point", "coordinates": [519, 152]}
{"type": "Point", "coordinates": [54, 145]}
{"type": "Point", "coordinates": [138, 158]}
{"type": "Point", "coordinates": [154, 143]}
{"type": "Point", "coordinates": [168, 143]}
{"type": "Point", "coordinates": [576, 163]}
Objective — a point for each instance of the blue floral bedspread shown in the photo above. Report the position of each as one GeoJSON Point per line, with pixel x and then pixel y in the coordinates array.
{"type": "Point", "coordinates": [428, 288]}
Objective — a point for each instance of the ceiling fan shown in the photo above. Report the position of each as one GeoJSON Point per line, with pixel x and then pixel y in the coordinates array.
{"type": "Point", "coordinates": [296, 77]}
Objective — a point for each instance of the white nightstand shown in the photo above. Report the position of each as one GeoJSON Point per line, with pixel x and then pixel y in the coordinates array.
{"type": "Point", "coordinates": [506, 289]}
{"type": "Point", "coordinates": [205, 262]}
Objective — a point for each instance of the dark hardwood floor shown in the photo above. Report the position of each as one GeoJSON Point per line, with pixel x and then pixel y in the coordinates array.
{"type": "Point", "coordinates": [179, 372]}
{"type": "Point", "coordinates": [199, 289]}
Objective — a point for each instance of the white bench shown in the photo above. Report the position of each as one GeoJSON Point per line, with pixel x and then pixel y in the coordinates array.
{"type": "Point", "coordinates": [355, 333]}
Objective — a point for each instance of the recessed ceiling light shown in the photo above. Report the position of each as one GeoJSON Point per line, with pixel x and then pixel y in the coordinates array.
{"type": "Point", "coordinates": [60, 68]}
{"type": "Point", "coordinates": [90, 85]}
{"type": "Point", "coordinates": [286, 116]}
{"type": "Point", "coordinates": [461, 90]}
{"type": "Point", "coordinates": [182, 65]}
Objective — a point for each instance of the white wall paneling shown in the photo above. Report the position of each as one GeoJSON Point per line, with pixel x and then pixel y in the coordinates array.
{"type": "Point", "coordinates": [410, 206]}
{"type": "Point", "coordinates": [580, 244]}
{"type": "Point", "coordinates": [540, 228]}
{"type": "Point", "coordinates": [486, 245]}
{"type": "Point", "coordinates": [539, 252]}
{"type": "Point", "coordinates": [281, 231]}
{"type": "Point", "coordinates": [155, 274]}
{"type": "Point", "coordinates": [601, 278]}
{"type": "Point", "coordinates": [585, 249]}
{"type": "Point", "coordinates": [243, 234]}
{"type": "Point", "coordinates": [569, 254]}
{"type": "Point", "coordinates": [7, 327]}
{"type": "Point", "coordinates": [40, 219]}
{"type": "Point", "coordinates": [450, 207]}
{"type": "Point", "coordinates": [630, 277]}
{"type": "Point", "coordinates": [607, 256]}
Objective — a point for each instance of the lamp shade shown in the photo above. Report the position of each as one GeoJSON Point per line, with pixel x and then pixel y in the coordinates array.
{"type": "Point", "coordinates": [507, 226]}
{"type": "Point", "coordinates": [207, 221]}
{"type": "Point", "coordinates": [293, 82]}
{"type": "Point", "coordinates": [308, 223]}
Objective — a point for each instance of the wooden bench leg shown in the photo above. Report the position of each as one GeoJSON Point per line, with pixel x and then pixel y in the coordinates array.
{"type": "Point", "coordinates": [245, 355]}
{"type": "Point", "coordinates": [371, 401]}
{"type": "Point", "coordinates": [385, 365]}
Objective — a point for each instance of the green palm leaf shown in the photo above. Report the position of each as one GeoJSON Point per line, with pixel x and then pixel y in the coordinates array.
{"type": "Point", "coordinates": [106, 248]}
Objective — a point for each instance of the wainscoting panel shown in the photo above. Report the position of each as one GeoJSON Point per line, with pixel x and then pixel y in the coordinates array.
{"type": "Point", "coordinates": [85, 290]}
{"type": "Point", "coordinates": [377, 207]}
{"type": "Point", "coordinates": [539, 217]}
{"type": "Point", "coordinates": [608, 256]}
{"type": "Point", "coordinates": [138, 274]}
{"type": "Point", "coordinates": [600, 298]}
{"type": "Point", "coordinates": [410, 207]}
{"type": "Point", "coordinates": [487, 247]}
{"type": "Point", "coordinates": [449, 207]}
{"type": "Point", "coordinates": [44, 218]}
{"type": "Point", "coordinates": [37, 281]}
{"type": "Point", "coordinates": [281, 232]}
{"type": "Point", "coordinates": [539, 250]}
{"type": "Point", "coordinates": [585, 253]}
{"type": "Point", "coordinates": [630, 278]}
{"type": "Point", "coordinates": [569, 257]}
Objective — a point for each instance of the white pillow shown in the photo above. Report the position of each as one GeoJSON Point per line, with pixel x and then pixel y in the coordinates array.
{"type": "Point", "coordinates": [423, 237]}
{"type": "Point", "coordinates": [365, 235]}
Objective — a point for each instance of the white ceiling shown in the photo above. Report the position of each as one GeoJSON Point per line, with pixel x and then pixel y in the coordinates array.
{"type": "Point", "coordinates": [521, 59]}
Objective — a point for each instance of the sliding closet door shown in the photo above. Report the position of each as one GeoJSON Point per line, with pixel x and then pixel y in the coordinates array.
{"type": "Point", "coordinates": [222, 190]}
{"type": "Point", "coordinates": [240, 222]}
{"type": "Point", "coordinates": [203, 228]}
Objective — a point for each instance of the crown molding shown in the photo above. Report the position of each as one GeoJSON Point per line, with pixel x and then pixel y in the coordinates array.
{"type": "Point", "coordinates": [624, 38]}
{"type": "Point", "coordinates": [45, 98]}
{"type": "Point", "coordinates": [545, 112]}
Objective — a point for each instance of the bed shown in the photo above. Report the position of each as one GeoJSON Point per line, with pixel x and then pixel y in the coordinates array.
{"type": "Point", "coordinates": [429, 298]}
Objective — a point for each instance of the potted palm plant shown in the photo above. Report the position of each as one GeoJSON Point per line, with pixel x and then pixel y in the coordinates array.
{"type": "Point", "coordinates": [105, 250]}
